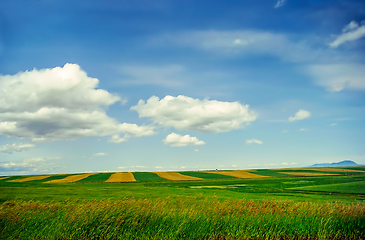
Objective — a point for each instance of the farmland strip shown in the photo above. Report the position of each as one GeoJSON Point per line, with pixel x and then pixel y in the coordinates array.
{"type": "Point", "coordinates": [121, 177]}
{"type": "Point", "coordinates": [72, 178]}
{"type": "Point", "coordinates": [30, 178]}
{"type": "Point", "coordinates": [239, 174]}
{"type": "Point", "coordinates": [335, 170]}
{"type": "Point", "coordinates": [4, 178]}
{"type": "Point", "coordinates": [174, 176]}
{"type": "Point", "coordinates": [308, 174]}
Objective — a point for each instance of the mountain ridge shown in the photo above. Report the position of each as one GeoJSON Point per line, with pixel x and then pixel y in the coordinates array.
{"type": "Point", "coordinates": [345, 163]}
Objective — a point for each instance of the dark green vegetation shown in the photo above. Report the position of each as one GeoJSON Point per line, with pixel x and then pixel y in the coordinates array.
{"type": "Point", "coordinates": [268, 173]}
{"type": "Point", "coordinates": [97, 178]}
{"type": "Point", "coordinates": [204, 175]}
{"type": "Point", "coordinates": [352, 187]}
{"type": "Point", "coordinates": [321, 207]}
{"type": "Point", "coordinates": [54, 177]}
{"type": "Point", "coordinates": [147, 176]}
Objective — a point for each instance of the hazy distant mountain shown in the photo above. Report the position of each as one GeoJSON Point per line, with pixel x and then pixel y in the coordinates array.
{"type": "Point", "coordinates": [345, 163]}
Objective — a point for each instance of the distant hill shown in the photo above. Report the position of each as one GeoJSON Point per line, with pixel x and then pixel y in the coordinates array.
{"type": "Point", "coordinates": [345, 163]}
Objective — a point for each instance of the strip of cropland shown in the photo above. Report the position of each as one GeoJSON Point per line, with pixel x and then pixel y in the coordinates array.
{"type": "Point", "coordinates": [309, 174]}
{"type": "Point", "coordinates": [175, 176]}
{"type": "Point", "coordinates": [205, 175]}
{"type": "Point", "coordinates": [238, 174]}
{"type": "Point", "coordinates": [72, 178]}
{"type": "Point", "coordinates": [1, 178]}
{"type": "Point", "coordinates": [27, 179]}
{"type": "Point", "coordinates": [96, 178]}
{"type": "Point", "coordinates": [147, 176]}
{"type": "Point", "coordinates": [121, 177]}
{"type": "Point", "coordinates": [268, 173]}
{"type": "Point", "coordinates": [340, 170]}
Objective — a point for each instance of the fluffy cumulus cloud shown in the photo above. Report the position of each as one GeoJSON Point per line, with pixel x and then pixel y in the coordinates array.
{"type": "Point", "coordinates": [176, 140]}
{"type": "Point", "coordinates": [250, 141]}
{"type": "Point", "coordinates": [300, 115]}
{"type": "Point", "coordinates": [350, 32]}
{"type": "Point", "coordinates": [59, 103]}
{"type": "Point", "coordinates": [16, 147]}
{"type": "Point", "coordinates": [186, 113]}
{"type": "Point", "coordinates": [337, 77]}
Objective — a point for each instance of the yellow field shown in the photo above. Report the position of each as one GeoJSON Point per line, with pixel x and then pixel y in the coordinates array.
{"type": "Point", "coordinates": [1, 178]}
{"type": "Point", "coordinates": [30, 178]}
{"type": "Point", "coordinates": [72, 178]}
{"type": "Point", "coordinates": [174, 176]}
{"type": "Point", "coordinates": [308, 174]}
{"type": "Point", "coordinates": [238, 173]}
{"type": "Point", "coordinates": [121, 177]}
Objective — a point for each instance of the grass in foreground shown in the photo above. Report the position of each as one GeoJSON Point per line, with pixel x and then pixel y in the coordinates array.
{"type": "Point", "coordinates": [181, 218]}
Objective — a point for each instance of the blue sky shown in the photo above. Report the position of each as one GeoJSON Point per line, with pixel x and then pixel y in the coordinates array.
{"type": "Point", "coordinates": [89, 86]}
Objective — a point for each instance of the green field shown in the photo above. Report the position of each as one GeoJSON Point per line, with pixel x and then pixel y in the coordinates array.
{"type": "Point", "coordinates": [147, 176]}
{"type": "Point", "coordinates": [268, 173]}
{"type": "Point", "coordinates": [352, 187]}
{"type": "Point", "coordinates": [100, 177]}
{"type": "Point", "coordinates": [284, 207]}
{"type": "Point", "coordinates": [204, 175]}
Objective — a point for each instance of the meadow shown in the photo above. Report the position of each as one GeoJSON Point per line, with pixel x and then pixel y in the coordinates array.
{"type": "Point", "coordinates": [274, 205]}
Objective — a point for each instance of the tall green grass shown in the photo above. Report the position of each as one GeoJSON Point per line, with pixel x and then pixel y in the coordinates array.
{"type": "Point", "coordinates": [181, 218]}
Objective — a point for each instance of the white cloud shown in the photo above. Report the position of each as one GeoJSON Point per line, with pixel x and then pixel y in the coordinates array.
{"type": "Point", "coordinates": [351, 32]}
{"type": "Point", "coordinates": [185, 113]}
{"type": "Point", "coordinates": [280, 3]}
{"type": "Point", "coordinates": [337, 77]}
{"type": "Point", "coordinates": [169, 76]}
{"type": "Point", "coordinates": [59, 103]}
{"type": "Point", "coordinates": [302, 129]}
{"type": "Point", "coordinates": [99, 154]}
{"type": "Point", "coordinates": [333, 124]}
{"type": "Point", "coordinates": [16, 147]}
{"type": "Point", "coordinates": [249, 141]}
{"type": "Point", "coordinates": [300, 115]}
{"type": "Point", "coordinates": [31, 165]}
{"type": "Point", "coordinates": [176, 140]}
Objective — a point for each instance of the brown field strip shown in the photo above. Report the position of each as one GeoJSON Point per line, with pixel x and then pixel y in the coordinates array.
{"type": "Point", "coordinates": [239, 174]}
{"type": "Point", "coordinates": [121, 177]}
{"type": "Point", "coordinates": [308, 174]}
{"type": "Point", "coordinates": [174, 176]}
{"type": "Point", "coordinates": [72, 178]}
{"type": "Point", "coordinates": [30, 178]}
{"type": "Point", "coordinates": [1, 178]}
